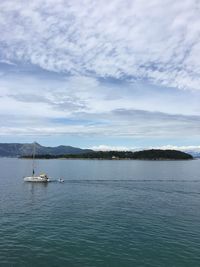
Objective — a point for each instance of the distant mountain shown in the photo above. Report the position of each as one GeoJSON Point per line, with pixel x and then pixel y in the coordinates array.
{"type": "Point", "coordinates": [195, 154]}
{"type": "Point", "coordinates": [18, 150]}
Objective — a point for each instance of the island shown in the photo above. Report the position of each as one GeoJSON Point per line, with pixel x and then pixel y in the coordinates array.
{"type": "Point", "coordinates": [151, 154]}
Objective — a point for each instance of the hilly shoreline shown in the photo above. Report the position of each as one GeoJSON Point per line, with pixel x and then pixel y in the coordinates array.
{"type": "Point", "coordinates": [69, 152]}
{"type": "Point", "coordinates": [20, 150]}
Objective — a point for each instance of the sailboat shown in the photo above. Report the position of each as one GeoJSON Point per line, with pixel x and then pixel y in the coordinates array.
{"type": "Point", "coordinates": [42, 178]}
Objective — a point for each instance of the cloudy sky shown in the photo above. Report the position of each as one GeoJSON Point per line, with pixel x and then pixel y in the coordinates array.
{"type": "Point", "coordinates": [88, 73]}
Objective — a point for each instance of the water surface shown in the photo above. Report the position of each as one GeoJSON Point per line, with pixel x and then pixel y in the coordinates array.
{"type": "Point", "coordinates": [107, 213]}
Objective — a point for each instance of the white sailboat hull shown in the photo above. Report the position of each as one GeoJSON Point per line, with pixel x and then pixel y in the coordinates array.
{"type": "Point", "coordinates": [37, 179]}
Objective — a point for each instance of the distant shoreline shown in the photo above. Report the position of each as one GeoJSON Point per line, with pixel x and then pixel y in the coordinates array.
{"type": "Point", "coordinates": [26, 150]}
{"type": "Point", "coordinates": [153, 155]}
{"type": "Point", "coordinates": [125, 159]}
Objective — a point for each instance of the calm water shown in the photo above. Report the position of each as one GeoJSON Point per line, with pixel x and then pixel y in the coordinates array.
{"type": "Point", "coordinates": [107, 213]}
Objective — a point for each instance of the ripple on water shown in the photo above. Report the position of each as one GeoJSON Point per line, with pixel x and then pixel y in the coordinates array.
{"type": "Point", "coordinates": [134, 216]}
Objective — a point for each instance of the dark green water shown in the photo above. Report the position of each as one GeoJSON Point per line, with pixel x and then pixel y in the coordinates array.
{"type": "Point", "coordinates": [107, 213]}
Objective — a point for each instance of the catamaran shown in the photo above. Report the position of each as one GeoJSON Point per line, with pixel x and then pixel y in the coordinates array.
{"type": "Point", "coordinates": [41, 178]}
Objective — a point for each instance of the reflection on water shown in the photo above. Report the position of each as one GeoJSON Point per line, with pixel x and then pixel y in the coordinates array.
{"type": "Point", "coordinates": [35, 186]}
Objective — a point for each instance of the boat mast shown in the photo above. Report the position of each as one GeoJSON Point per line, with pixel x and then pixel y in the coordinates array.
{"type": "Point", "coordinates": [33, 163]}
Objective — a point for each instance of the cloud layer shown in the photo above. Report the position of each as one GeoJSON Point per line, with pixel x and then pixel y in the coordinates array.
{"type": "Point", "coordinates": [105, 71]}
{"type": "Point", "coordinates": [154, 40]}
{"type": "Point", "coordinates": [189, 149]}
{"type": "Point", "coordinates": [83, 106]}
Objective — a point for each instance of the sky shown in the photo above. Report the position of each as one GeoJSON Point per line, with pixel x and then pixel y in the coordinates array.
{"type": "Point", "coordinates": [121, 74]}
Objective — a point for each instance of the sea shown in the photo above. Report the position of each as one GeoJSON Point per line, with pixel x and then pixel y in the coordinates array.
{"type": "Point", "coordinates": [109, 213]}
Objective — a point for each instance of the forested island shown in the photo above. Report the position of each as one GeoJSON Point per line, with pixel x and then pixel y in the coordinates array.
{"type": "Point", "coordinates": [152, 154]}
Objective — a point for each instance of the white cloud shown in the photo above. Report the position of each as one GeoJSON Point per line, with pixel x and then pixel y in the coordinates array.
{"type": "Point", "coordinates": [182, 148]}
{"type": "Point", "coordinates": [193, 149]}
{"type": "Point", "coordinates": [85, 106]}
{"type": "Point", "coordinates": [155, 40]}
{"type": "Point", "coordinates": [110, 148]}
{"type": "Point", "coordinates": [7, 62]}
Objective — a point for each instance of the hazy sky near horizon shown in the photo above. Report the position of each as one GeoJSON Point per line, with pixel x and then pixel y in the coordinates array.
{"type": "Point", "coordinates": [124, 73]}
